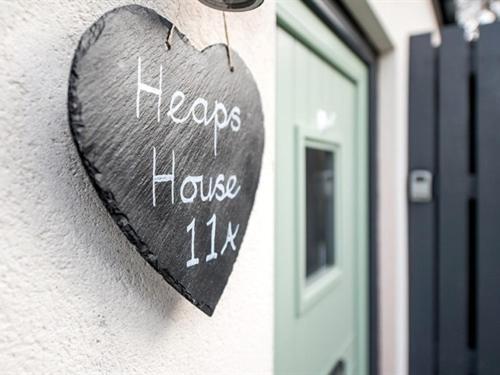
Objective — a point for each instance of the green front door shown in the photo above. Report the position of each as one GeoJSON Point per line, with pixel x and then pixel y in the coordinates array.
{"type": "Point", "coordinates": [321, 195]}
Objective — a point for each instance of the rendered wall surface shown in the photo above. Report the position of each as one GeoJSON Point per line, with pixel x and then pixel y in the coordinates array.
{"type": "Point", "coordinates": [75, 297]}
{"type": "Point", "coordinates": [400, 18]}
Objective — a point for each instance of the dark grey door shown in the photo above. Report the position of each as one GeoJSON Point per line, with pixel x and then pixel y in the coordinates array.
{"type": "Point", "coordinates": [454, 204]}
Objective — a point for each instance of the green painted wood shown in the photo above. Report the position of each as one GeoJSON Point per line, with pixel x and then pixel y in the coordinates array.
{"type": "Point", "coordinates": [325, 318]}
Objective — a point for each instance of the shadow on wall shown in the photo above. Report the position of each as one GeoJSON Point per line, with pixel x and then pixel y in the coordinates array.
{"type": "Point", "coordinates": [119, 263]}
{"type": "Point", "coordinates": [95, 266]}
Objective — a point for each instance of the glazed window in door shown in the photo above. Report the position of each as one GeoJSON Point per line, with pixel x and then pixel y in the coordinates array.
{"type": "Point", "coordinates": [320, 188]}
{"type": "Point", "coordinates": [318, 246]}
{"type": "Point", "coordinates": [321, 200]}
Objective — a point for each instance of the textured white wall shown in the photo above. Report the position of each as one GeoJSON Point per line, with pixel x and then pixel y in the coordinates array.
{"type": "Point", "coordinates": [74, 294]}
{"type": "Point", "coordinates": [400, 18]}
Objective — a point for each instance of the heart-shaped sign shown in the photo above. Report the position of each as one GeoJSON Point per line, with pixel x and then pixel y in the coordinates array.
{"type": "Point", "coordinates": [172, 140]}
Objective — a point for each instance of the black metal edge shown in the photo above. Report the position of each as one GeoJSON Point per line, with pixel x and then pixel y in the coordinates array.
{"type": "Point", "coordinates": [445, 11]}
{"type": "Point", "coordinates": [341, 22]}
{"type": "Point", "coordinates": [374, 351]}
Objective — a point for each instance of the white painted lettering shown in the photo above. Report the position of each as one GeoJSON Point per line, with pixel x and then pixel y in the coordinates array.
{"type": "Point", "coordinates": [230, 237]}
{"type": "Point", "coordinates": [193, 261]}
{"type": "Point", "coordinates": [193, 180]}
{"type": "Point", "coordinates": [213, 254]}
{"type": "Point", "coordinates": [163, 177]}
{"type": "Point", "coordinates": [143, 87]}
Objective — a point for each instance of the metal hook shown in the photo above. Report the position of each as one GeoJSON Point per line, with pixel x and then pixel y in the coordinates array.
{"type": "Point", "coordinates": [169, 37]}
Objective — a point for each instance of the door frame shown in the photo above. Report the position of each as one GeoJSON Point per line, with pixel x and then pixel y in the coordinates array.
{"type": "Point", "coordinates": [341, 22]}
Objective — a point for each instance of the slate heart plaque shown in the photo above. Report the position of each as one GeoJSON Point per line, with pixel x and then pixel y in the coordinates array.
{"type": "Point", "coordinates": [172, 141]}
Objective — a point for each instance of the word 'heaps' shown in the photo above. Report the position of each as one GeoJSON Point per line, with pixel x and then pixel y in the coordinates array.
{"type": "Point", "coordinates": [198, 112]}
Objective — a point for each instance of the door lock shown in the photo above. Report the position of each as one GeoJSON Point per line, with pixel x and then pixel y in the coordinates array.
{"type": "Point", "coordinates": [420, 186]}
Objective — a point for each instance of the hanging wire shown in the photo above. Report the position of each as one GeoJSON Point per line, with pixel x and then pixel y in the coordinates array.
{"type": "Point", "coordinates": [168, 40]}
{"type": "Point", "coordinates": [229, 58]}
